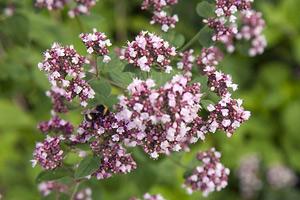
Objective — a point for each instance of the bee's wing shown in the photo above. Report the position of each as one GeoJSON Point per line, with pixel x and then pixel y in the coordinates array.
{"type": "Point", "coordinates": [89, 110]}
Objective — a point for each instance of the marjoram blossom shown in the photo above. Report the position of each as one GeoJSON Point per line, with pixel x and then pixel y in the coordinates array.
{"type": "Point", "coordinates": [106, 136]}
{"type": "Point", "coordinates": [96, 43]}
{"type": "Point", "coordinates": [48, 154]}
{"type": "Point", "coordinates": [210, 176]}
{"type": "Point", "coordinates": [147, 196]}
{"type": "Point", "coordinates": [149, 51]}
{"type": "Point", "coordinates": [163, 119]}
{"type": "Point", "coordinates": [64, 69]}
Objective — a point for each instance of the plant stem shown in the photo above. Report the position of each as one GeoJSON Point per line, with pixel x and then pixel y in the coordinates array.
{"type": "Point", "coordinates": [65, 168]}
{"type": "Point", "coordinates": [96, 67]}
{"type": "Point", "coordinates": [56, 191]}
{"type": "Point", "coordinates": [187, 45]}
{"type": "Point", "coordinates": [110, 81]}
{"type": "Point", "coordinates": [74, 191]}
{"type": "Point", "coordinates": [82, 28]}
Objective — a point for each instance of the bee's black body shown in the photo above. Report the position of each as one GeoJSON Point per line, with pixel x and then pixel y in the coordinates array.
{"type": "Point", "coordinates": [99, 111]}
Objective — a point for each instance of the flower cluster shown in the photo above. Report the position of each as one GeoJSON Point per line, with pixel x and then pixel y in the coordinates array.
{"type": "Point", "coordinates": [224, 25]}
{"type": "Point", "coordinates": [218, 81]}
{"type": "Point", "coordinates": [48, 187]}
{"type": "Point", "coordinates": [227, 115]}
{"type": "Point", "coordinates": [147, 196]}
{"type": "Point", "coordinates": [161, 120]}
{"type": "Point", "coordinates": [160, 16]}
{"type": "Point", "coordinates": [9, 11]}
{"type": "Point", "coordinates": [49, 153]}
{"type": "Point", "coordinates": [108, 135]}
{"type": "Point", "coordinates": [228, 8]}
{"type": "Point", "coordinates": [57, 95]}
{"type": "Point", "coordinates": [83, 6]}
{"type": "Point", "coordinates": [157, 4]}
{"type": "Point", "coordinates": [84, 194]}
{"type": "Point", "coordinates": [252, 30]}
{"type": "Point", "coordinates": [96, 43]}
{"type": "Point", "coordinates": [248, 175]}
{"type": "Point", "coordinates": [149, 50]}
{"type": "Point", "coordinates": [211, 176]}
{"type": "Point", "coordinates": [163, 19]}
{"type": "Point", "coordinates": [222, 32]}
{"type": "Point", "coordinates": [64, 67]}
{"type": "Point", "coordinates": [279, 176]}
{"type": "Point", "coordinates": [52, 5]}
{"type": "Point", "coordinates": [56, 124]}
{"type": "Point", "coordinates": [186, 62]}
{"type": "Point", "coordinates": [209, 57]}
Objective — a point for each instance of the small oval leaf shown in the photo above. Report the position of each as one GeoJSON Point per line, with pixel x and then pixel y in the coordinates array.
{"type": "Point", "coordinates": [205, 9]}
{"type": "Point", "coordinates": [203, 83]}
{"type": "Point", "coordinates": [179, 40]}
{"type": "Point", "coordinates": [205, 103]}
{"type": "Point", "coordinates": [130, 68]}
{"type": "Point", "coordinates": [205, 37]}
{"type": "Point", "coordinates": [87, 166]}
{"type": "Point", "coordinates": [111, 65]}
{"type": "Point", "coordinates": [101, 87]}
{"type": "Point", "coordinates": [50, 175]}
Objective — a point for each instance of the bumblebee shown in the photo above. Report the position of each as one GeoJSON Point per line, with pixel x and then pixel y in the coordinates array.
{"type": "Point", "coordinates": [93, 113]}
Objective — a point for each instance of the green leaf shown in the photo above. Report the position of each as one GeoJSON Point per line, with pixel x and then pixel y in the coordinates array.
{"type": "Point", "coordinates": [101, 87]}
{"type": "Point", "coordinates": [111, 65]}
{"type": "Point", "coordinates": [175, 39]}
{"type": "Point", "coordinates": [205, 9]}
{"type": "Point", "coordinates": [205, 103]}
{"type": "Point", "coordinates": [130, 68]}
{"type": "Point", "coordinates": [83, 146]}
{"type": "Point", "coordinates": [87, 166]}
{"type": "Point", "coordinates": [98, 99]}
{"type": "Point", "coordinates": [188, 173]}
{"type": "Point", "coordinates": [203, 83]}
{"type": "Point", "coordinates": [156, 76]}
{"type": "Point", "coordinates": [123, 78]}
{"type": "Point", "coordinates": [50, 175]}
{"type": "Point", "coordinates": [205, 37]}
{"type": "Point", "coordinates": [178, 40]}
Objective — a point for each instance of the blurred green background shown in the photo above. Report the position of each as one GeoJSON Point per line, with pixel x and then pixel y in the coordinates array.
{"type": "Point", "coordinates": [268, 83]}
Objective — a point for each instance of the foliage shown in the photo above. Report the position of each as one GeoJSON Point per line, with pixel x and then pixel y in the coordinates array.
{"type": "Point", "coordinates": [268, 83]}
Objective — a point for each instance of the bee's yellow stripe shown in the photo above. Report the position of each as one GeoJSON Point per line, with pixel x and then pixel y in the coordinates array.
{"type": "Point", "coordinates": [105, 110]}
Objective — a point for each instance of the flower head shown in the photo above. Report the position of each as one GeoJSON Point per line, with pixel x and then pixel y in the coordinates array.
{"type": "Point", "coordinates": [96, 42]}
{"type": "Point", "coordinates": [148, 51]}
{"type": "Point", "coordinates": [65, 72]}
{"type": "Point", "coordinates": [163, 119]}
{"type": "Point", "coordinates": [157, 5]}
{"type": "Point", "coordinates": [48, 154]}
{"type": "Point", "coordinates": [210, 176]}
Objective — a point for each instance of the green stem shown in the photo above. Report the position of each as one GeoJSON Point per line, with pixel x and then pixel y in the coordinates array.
{"type": "Point", "coordinates": [96, 67]}
{"type": "Point", "coordinates": [82, 28]}
{"type": "Point", "coordinates": [187, 45]}
{"type": "Point", "coordinates": [65, 168]}
{"type": "Point", "coordinates": [110, 81]}
{"type": "Point", "coordinates": [75, 190]}
{"type": "Point", "coordinates": [56, 191]}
